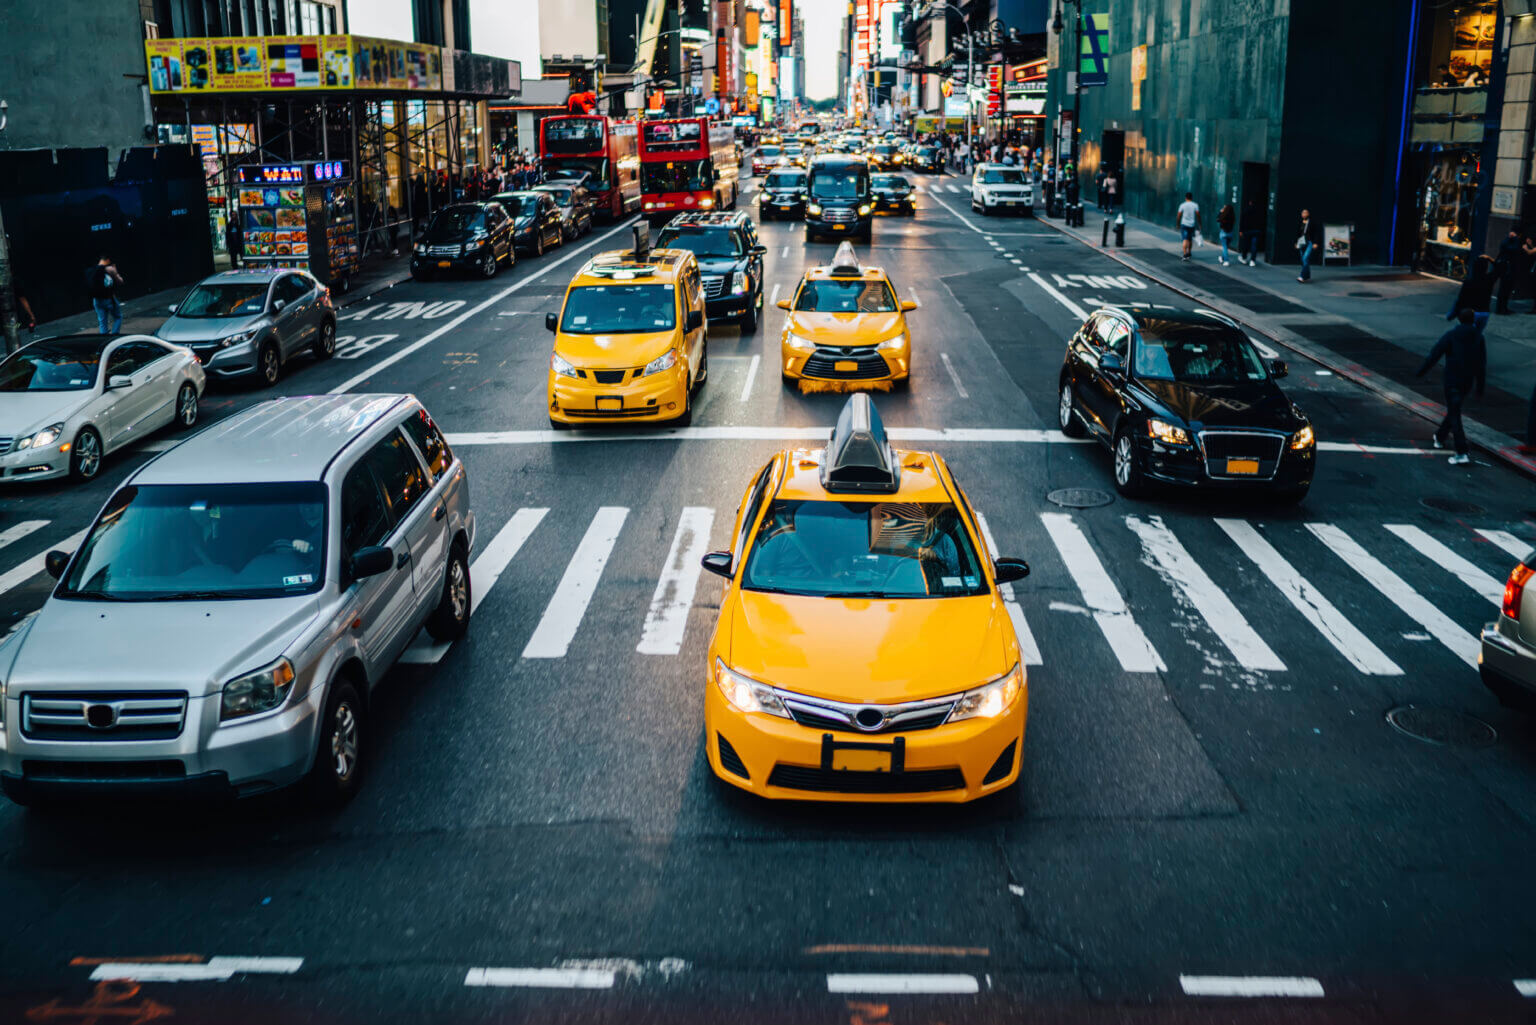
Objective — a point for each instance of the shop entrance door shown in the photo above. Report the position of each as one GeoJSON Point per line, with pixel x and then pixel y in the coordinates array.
{"type": "Point", "coordinates": [1112, 150]}
{"type": "Point", "coordinates": [1256, 188]}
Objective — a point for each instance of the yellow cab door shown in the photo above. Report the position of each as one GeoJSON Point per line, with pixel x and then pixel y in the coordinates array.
{"type": "Point", "coordinates": [690, 298]}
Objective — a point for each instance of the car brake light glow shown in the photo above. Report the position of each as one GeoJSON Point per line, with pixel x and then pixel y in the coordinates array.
{"type": "Point", "coordinates": [1515, 589]}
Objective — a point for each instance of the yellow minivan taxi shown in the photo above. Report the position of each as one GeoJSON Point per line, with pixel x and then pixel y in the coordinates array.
{"type": "Point", "coordinates": [846, 327]}
{"type": "Point", "coordinates": [862, 650]}
{"type": "Point", "coordinates": [629, 340]}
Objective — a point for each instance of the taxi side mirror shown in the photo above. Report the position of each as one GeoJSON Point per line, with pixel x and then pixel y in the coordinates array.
{"type": "Point", "coordinates": [1006, 571]}
{"type": "Point", "coordinates": [695, 320]}
{"type": "Point", "coordinates": [550, 323]}
{"type": "Point", "coordinates": [907, 306]}
{"type": "Point", "coordinates": [782, 304]}
{"type": "Point", "coordinates": [718, 563]}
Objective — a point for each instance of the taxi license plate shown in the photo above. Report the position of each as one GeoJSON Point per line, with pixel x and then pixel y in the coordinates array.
{"type": "Point", "coordinates": [445, 263]}
{"type": "Point", "coordinates": [610, 403]}
{"type": "Point", "coordinates": [1242, 466]}
{"type": "Point", "coordinates": [845, 366]}
{"type": "Point", "coordinates": [786, 206]}
{"type": "Point", "coordinates": [861, 761]}
{"type": "Point", "coordinates": [837, 227]}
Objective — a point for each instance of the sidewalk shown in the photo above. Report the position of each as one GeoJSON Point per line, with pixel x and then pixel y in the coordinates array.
{"type": "Point", "coordinates": [1371, 324]}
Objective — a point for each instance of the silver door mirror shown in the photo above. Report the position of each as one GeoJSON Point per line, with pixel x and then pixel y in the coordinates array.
{"type": "Point", "coordinates": [278, 304]}
{"type": "Point", "coordinates": [119, 381]}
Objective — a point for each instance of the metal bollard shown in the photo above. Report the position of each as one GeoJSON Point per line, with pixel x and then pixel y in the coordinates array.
{"type": "Point", "coordinates": [1103, 242]}
{"type": "Point", "coordinates": [1120, 230]}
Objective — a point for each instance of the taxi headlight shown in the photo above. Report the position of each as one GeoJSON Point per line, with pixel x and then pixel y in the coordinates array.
{"type": "Point", "coordinates": [666, 361]}
{"type": "Point", "coordinates": [260, 691]}
{"type": "Point", "coordinates": [746, 694]}
{"type": "Point", "coordinates": [47, 436]}
{"type": "Point", "coordinates": [561, 366]}
{"type": "Point", "coordinates": [1303, 438]}
{"type": "Point", "coordinates": [814, 209]}
{"type": "Point", "coordinates": [1166, 432]}
{"type": "Point", "coordinates": [990, 700]}
{"type": "Point", "coordinates": [795, 341]}
{"type": "Point", "coordinates": [899, 341]}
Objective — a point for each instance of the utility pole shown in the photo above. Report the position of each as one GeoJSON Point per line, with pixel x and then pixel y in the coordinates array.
{"type": "Point", "coordinates": [970, 74]}
{"type": "Point", "coordinates": [7, 282]}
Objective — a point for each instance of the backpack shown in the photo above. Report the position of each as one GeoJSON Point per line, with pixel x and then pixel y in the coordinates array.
{"type": "Point", "coordinates": [98, 283]}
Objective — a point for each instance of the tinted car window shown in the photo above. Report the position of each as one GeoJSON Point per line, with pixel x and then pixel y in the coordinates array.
{"type": "Point", "coordinates": [754, 503]}
{"type": "Point", "coordinates": [785, 180]}
{"type": "Point", "coordinates": [364, 517]}
{"type": "Point", "coordinates": [291, 287]}
{"type": "Point", "coordinates": [399, 472]}
{"type": "Point", "coordinates": [1199, 355]}
{"type": "Point", "coordinates": [706, 242]}
{"type": "Point", "coordinates": [45, 366]}
{"type": "Point", "coordinates": [145, 353]}
{"type": "Point", "coordinates": [121, 361]}
{"type": "Point", "coordinates": [430, 441]}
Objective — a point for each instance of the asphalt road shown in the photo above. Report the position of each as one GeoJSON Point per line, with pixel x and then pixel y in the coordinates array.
{"type": "Point", "coordinates": [1217, 808]}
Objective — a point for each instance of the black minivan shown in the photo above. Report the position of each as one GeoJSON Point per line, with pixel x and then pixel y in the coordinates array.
{"type": "Point", "coordinates": [837, 200]}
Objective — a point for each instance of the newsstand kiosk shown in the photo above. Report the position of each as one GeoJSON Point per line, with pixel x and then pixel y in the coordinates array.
{"type": "Point", "coordinates": [301, 215]}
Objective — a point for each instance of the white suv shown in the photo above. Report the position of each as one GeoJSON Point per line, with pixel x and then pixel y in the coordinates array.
{"type": "Point", "coordinates": [1001, 188]}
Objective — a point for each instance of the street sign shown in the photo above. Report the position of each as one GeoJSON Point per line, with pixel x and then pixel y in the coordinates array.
{"type": "Point", "coordinates": [1093, 52]}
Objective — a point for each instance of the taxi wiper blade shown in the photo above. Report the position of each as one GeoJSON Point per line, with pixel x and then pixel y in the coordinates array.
{"type": "Point", "coordinates": [855, 594]}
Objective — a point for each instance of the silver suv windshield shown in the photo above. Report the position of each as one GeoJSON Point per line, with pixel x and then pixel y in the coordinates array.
{"type": "Point", "coordinates": [225, 299]}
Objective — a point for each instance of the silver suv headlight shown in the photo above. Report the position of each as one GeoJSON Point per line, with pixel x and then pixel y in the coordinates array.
{"type": "Point", "coordinates": [990, 700]}
{"type": "Point", "coordinates": [256, 692]}
{"type": "Point", "coordinates": [747, 694]}
{"type": "Point", "coordinates": [47, 436]}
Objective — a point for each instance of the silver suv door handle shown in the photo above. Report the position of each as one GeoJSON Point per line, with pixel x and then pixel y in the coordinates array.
{"type": "Point", "coordinates": [403, 558]}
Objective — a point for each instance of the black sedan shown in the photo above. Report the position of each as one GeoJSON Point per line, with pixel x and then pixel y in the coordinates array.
{"type": "Point", "coordinates": [539, 226]}
{"type": "Point", "coordinates": [928, 159]}
{"type": "Point", "coordinates": [464, 236]}
{"type": "Point", "coordinates": [1183, 398]}
{"type": "Point", "coordinates": [575, 205]}
{"type": "Point", "coordinates": [892, 192]}
{"type": "Point", "coordinates": [782, 194]}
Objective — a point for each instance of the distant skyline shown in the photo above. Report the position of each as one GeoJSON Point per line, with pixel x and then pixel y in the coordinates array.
{"type": "Point", "coordinates": [822, 20]}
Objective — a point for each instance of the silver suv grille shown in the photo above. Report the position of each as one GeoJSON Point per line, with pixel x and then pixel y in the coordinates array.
{"type": "Point", "coordinates": [822, 714]}
{"type": "Point", "coordinates": [97, 716]}
{"type": "Point", "coordinates": [839, 215]}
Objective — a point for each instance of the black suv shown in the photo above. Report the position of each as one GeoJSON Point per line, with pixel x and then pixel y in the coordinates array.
{"type": "Point", "coordinates": [892, 192]}
{"type": "Point", "coordinates": [537, 218]}
{"type": "Point", "coordinates": [837, 199]}
{"type": "Point", "coordinates": [464, 236]}
{"type": "Point", "coordinates": [730, 261]}
{"type": "Point", "coordinates": [782, 195]}
{"type": "Point", "coordinates": [928, 159]}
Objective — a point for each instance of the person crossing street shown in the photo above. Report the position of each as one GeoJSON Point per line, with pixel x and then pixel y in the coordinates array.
{"type": "Point", "coordinates": [1466, 364]}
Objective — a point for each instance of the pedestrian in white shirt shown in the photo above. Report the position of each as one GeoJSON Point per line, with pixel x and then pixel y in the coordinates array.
{"type": "Point", "coordinates": [1189, 221]}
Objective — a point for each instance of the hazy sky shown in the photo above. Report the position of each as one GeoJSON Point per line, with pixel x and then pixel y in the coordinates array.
{"type": "Point", "coordinates": [822, 24]}
{"type": "Point", "coordinates": [497, 28]}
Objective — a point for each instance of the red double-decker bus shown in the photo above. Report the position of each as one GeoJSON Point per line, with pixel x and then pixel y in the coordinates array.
{"type": "Point", "coordinates": [686, 163]}
{"type": "Point", "coordinates": [606, 149]}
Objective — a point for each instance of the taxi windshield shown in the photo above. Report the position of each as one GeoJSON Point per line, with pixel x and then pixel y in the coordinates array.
{"type": "Point", "coordinates": [832, 296]}
{"type": "Point", "coordinates": [618, 309]}
{"type": "Point", "coordinates": [863, 550]}
{"type": "Point", "coordinates": [1202, 355]}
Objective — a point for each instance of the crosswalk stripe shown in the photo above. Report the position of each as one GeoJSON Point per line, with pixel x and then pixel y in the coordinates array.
{"type": "Point", "coordinates": [20, 530]}
{"type": "Point", "coordinates": [1307, 600]}
{"type": "Point", "coordinates": [22, 572]}
{"type": "Point", "coordinates": [552, 637]}
{"type": "Point", "coordinates": [1130, 645]}
{"type": "Point", "coordinates": [952, 188]}
{"type": "Point", "coordinates": [1395, 589]}
{"type": "Point", "coordinates": [1469, 574]}
{"type": "Point", "coordinates": [667, 619]}
{"type": "Point", "coordinates": [1027, 645]}
{"type": "Point", "coordinates": [483, 574]}
{"type": "Point", "coordinates": [1182, 571]}
{"type": "Point", "coordinates": [1509, 542]}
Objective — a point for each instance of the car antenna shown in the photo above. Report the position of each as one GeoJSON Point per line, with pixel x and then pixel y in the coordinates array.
{"type": "Point", "coordinates": [642, 234]}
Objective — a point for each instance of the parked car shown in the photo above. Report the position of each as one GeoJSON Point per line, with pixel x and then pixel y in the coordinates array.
{"type": "Point", "coordinates": [537, 224]}
{"type": "Point", "coordinates": [575, 204]}
{"type": "Point", "coordinates": [1507, 661]}
{"type": "Point", "coordinates": [465, 236]}
{"type": "Point", "coordinates": [243, 593]}
{"type": "Point", "coordinates": [253, 322]}
{"type": "Point", "coordinates": [66, 402]}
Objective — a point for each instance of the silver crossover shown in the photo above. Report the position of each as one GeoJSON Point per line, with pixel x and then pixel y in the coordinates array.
{"type": "Point", "coordinates": [253, 322]}
{"type": "Point", "coordinates": [223, 623]}
{"type": "Point", "coordinates": [1508, 657]}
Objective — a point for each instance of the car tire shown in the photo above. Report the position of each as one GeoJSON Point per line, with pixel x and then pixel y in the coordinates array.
{"type": "Point", "coordinates": [337, 771]}
{"type": "Point", "coordinates": [538, 244]}
{"type": "Point", "coordinates": [685, 418]}
{"type": "Point", "coordinates": [1127, 465]}
{"type": "Point", "coordinates": [703, 374]}
{"type": "Point", "coordinates": [810, 236]}
{"type": "Point", "coordinates": [1066, 412]}
{"type": "Point", "coordinates": [489, 265]}
{"type": "Point", "coordinates": [85, 454]}
{"type": "Point", "coordinates": [186, 407]}
{"type": "Point", "coordinates": [269, 365]}
{"type": "Point", "coordinates": [450, 620]}
{"type": "Point", "coordinates": [748, 320]}
{"type": "Point", "coordinates": [325, 345]}
{"type": "Point", "coordinates": [902, 384]}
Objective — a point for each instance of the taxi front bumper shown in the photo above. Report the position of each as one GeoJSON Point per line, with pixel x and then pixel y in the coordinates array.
{"type": "Point", "coordinates": [780, 759]}
{"type": "Point", "coordinates": [865, 364]}
{"type": "Point", "coordinates": [637, 399]}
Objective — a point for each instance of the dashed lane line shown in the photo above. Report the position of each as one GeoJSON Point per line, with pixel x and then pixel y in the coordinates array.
{"type": "Point", "coordinates": [746, 386]}
{"type": "Point", "coordinates": [1250, 986]}
{"type": "Point", "coordinates": [892, 982]}
{"type": "Point", "coordinates": [541, 978]}
{"type": "Point", "coordinates": [953, 376]}
{"type": "Point", "coordinates": [215, 969]}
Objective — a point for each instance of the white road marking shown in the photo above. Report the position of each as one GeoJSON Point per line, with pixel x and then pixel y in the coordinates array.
{"type": "Point", "coordinates": [1250, 986]}
{"type": "Point", "coordinates": [1050, 290]}
{"type": "Point", "coordinates": [1264, 350]}
{"type": "Point", "coordinates": [552, 637]}
{"type": "Point", "coordinates": [432, 336]}
{"type": "Point", "coordinates": [1437, 552]}
{"type": "Point", "coordinates": [20, 530]}
{"type": "Point", "coordinates": [954, 376]}
{"type": "Point", "coordinates": [1306, 599]}
{"type": "Point", "coordinates": [1180, 569]}
{"type": "Point", "coordinates": [1509, 542]}
{"type": "Point", "coordinates": [891, 982]}
{"type": "Point", "coordinates": [746, 386]}
{"type": "Point", "coordinates": [774, 299]}
{"type": "Point", "coordinates": [24, 571]}
{"type": "Point", "coordinates": [953, 188]}
{"type": "Point", "coordinates": [784, 253]}
{"type": "Point", "coordinates": [215, 969]}
{"type": "Point", "coordinates": [541, 978]}
{"type": "Point", "coordinates": [1526, 987]}
{"type": "Point", "coordinates": [667, 619]}
{"type": "Point", "coordinates": [483, 574]}
{"type": "Point", "coordinates": [1130, 645]}
{"type": "Point", "coordinates": [1396, 590]}
{"type": "Point", "coordinates": [916, 299]}
{"type": "Point", "coordinates": [1027, 645]}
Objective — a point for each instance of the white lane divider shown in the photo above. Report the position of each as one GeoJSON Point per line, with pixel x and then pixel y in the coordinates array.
{"type": "Point", "coordinates": [892, 982]}
{"type": "Point", "coordinates": [1050, 290]}
{"type": "Point", "coordinates": [1028, 647]}
{"type": "Point", "coordinates": [22, 572]}
{"type": "Point", "coordinates": [774, 298]}
{"type": "Point", "coordinates": [1172, 559]}
{"type": "Point", "coordinates": [484, 571]}
{"type": "Point", "coordinates": [552, 637]}
{"type": "Point", "coordinates": [1509, 542]}
{"type": "Point", "coordinates": [1526, 987]}
{"type": "Point", "coordinates": [784, 253]}
{"type": "Point", "coordinates": [215, 969]}
{"type": "Point", "coordinates": [1307, 600]}
{"type": "Point", "coordinates": [20, 530]}
{"type": "Point", "coordinates": [746, 386]}
{"type": "Point", "coordinates": [541, 978]}
{"type": "Point", "coordinates": [667, 619]}
{"type": "Point", "coordinates": [1396, 590]}
{"type": "Point", "coordinates": [1250, 986]}
{"type": "Point", "coordinates": [954, 376]}
{"type": "Point", "coordinates": [1440, 553]}
{"type": "Point", "coordinates": [1130, 645]}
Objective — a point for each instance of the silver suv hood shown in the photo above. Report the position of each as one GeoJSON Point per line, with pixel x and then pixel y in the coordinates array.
{"type": "Point", "coordinates": [184, 330]}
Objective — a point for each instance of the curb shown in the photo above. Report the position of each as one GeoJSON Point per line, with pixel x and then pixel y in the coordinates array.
{"type": "Point", "coordinates": [1500, 446]}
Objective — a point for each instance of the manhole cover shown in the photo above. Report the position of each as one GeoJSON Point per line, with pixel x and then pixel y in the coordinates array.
{"type": "Point", "coordinates": [1079, 498]}
{"type": "Point", "coordinates": [1442, 727]}
{"type": "Point", "coordinates": [1452, 505]}
{"type": "Point", "coordinates": [1366, 295]}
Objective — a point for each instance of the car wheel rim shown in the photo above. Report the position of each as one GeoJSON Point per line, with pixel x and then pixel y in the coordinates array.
{"type": "Point", "coordinates": [458, 590]}
{"type": "Point", "coordinates": [188, 407]}
{"type": "Point", "coordinates": [328, 338]}
{"type": "Point", "coordinates": [1066, 405]}
{"type": "Point", "coordinates": [488, 265]}
{"type": "Point", "coordinates": [269, 364]}
{"type": "Point", "coordinates": [1123, 461]}
{"type": "Point", "coordinates": [344, 742]}
{"type": "Point", "coordinates": [89, 451]}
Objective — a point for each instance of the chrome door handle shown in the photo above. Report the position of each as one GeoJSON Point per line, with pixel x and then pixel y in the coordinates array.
{"type": "Point", "coordinates": [440, 511]}
{"type": "Point", "coordinates": [403, 558]}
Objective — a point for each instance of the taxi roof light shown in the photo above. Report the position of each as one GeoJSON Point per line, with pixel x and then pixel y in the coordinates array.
{"type": "Point", "coordinates": [845, 262]}
{"type": "Point", "coordinates": [859, 457]}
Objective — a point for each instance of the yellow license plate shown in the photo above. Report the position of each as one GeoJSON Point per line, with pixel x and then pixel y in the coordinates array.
{"type": "Point", "coordinates": [862, 761]}
{"type": "Point", "coordinates": [445, 263]}
{"type": "Point", "coordinates": [610, 403]}
{"type": "Point", "coordinates": [845, 366]}
{"type": "Point", "coordinates": [1242, 466]}
{"type": "Point", "coordinates": [837, 227]}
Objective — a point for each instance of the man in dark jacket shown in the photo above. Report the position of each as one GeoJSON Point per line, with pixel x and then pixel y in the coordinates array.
{"type": "Point", "coordinates": [1466, 365]}
{"type": "Point", "coordinates": [1307, 243]}
{"type": "Point", "coordinates": [1508, 264]}
{"type": "Point", "coordinates": [1251, 227]}
{"type": "Point", "coordinates": [1476, 292]}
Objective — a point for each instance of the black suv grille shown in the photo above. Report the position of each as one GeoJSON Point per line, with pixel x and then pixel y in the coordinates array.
{"type": "Point", "coordinates": [1221, 446]}
{"type": "Point", "coordinates": [919, 781]}
{"type": "Point", "coordinates": [868, 365]}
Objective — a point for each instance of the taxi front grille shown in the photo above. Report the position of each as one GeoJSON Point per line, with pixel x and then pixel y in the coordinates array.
{"type": "Point", "coordinates": [611, 414]}
{"type": "Point", "coordinates": [868, 365]}
{"type": "Point", "coordinates": [608, 376]}
{"type": "Point", "coordinates": [835, 781]}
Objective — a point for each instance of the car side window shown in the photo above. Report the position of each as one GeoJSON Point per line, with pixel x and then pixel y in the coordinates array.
{"type": "Point", "coordinates": [294, 287]}
{"type": "Point", "coordinates": [430, 442]}
{"type": "Point", "coordinates": [122, 361]}
{"type": "Point", "coordinates": [750, 509]}
{"type": "Point", "coordinates": [1089, 332]}
{"type": "Point", "coordinates": [145, 353]}
{"type": "Point", "coordinates": [364, 516]}
{"type": "Point", "coordinates": [1114, 336]}
{"type": "Point", "coordinates": [400, 473]}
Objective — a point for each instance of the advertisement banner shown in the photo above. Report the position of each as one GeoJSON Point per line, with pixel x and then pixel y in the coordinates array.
{"type": "Point", "coordinates": [1093, 53]}
{"type": "Point", "coordinates": [248, 64]}
{"type": "Point", "coordinates": [391, 64]}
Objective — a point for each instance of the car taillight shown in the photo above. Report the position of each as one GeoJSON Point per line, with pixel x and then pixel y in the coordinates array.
{"type": "Point", "coordinates": [1515, 589]}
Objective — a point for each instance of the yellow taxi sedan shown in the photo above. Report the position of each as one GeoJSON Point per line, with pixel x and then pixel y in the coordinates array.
{"type": "Point", "coordinates": [862, 652]}
{"type": "Point", "coordinates": [629, 339]}
{"type": "Point", "coordinates": [846, 327]}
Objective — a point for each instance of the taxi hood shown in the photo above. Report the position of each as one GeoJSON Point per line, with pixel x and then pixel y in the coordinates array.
{"type": "Point", "coordinates": [613, 351]}
{"type": "Point", "coordinates": [874, 650]}
{"type": "Point", "coordinates": [845, 328]}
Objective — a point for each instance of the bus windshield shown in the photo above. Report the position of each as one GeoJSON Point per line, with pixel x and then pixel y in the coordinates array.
{"type": "Point", "coordinates": [676, 176]}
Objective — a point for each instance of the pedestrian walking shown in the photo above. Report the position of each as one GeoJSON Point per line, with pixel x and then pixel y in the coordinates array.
{"type": "Point", "coordinates": [1528, 262]}
{"type": "Point", "coordinates": [1310, 238]}
{"type": "Point", "coordinates": [1189, 221]}
{"type": "Point", "coordinates": [1507, 264]}
{"type": "Point", "coordinates": [1466, 364]}
{"type": "Point", "coordinates": [1111, 191]}
{"type": "Point", "coordinates": [234, 237]}
{"type": "Point", "coordinates": [1226, 220]}
{"type": "Point", "coordinates": [1251, 224]}
{"type": "Point", "coordinates": [1476, 292]}
{"type": "Point", "coordinates": [102, 282]}
{"type": "Point", "coordinates": [1098, 186]}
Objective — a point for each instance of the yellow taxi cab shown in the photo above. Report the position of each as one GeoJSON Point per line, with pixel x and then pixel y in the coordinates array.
{"type": "Point", "coordinates": [862, 652]}
{"type": "Point", "coordinates": [846, 326]}
{"type": "Point", "coordinates": [629, 339]}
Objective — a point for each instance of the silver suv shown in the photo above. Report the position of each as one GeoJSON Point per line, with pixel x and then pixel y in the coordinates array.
{"type": "Point", "coordinates": [237, 599]}
{"type": "Point", "coordinates": [253, 322]}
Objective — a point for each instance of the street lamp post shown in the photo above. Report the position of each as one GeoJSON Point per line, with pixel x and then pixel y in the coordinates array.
{"type": "Point", "coordinates": [1077, 72]}
{"type": "Point", "coordinates": [7, 283]}
{"type": "Point", "coordinates": [970, 73]}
